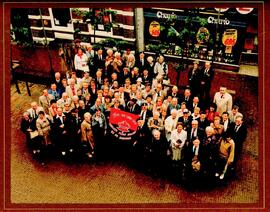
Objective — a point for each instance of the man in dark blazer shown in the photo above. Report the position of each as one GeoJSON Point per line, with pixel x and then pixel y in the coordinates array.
{"type": "Point", "coordinates": [99, 60]}
{"type": "Point", "coordinates": [187, 98]}
{"type": "Point", "coordinates": [185, 119]}
{"type": "Point", "coordinates": [145, 114]}
{"type": "Point", "coordinates": [238, 133]}
{"type": "Point", "coordinates": [194, 78]}
{"type": "Point", "coordinates": [194, 132]}
{"type": "Point", "coordinates": [206, 78]}
{"type": "Point", "coordinates": [141, 62]}
{"type": "Point", "coordinates": [203, 121]}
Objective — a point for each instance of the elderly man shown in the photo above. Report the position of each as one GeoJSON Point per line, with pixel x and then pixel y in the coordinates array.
{"type": "Point", "coordinates": [194, 131]}
{"type": "Point", "coordinates": [206, 77]}
{"type": "Point", "coordinates": [44, 100]}
{"type": "Point", "coordinates": [72, 88]}
{"type": "Point", "coordinates": [234, 113]}
{"type": "Point", "coordinates": [34, 110]}
{"type": "Point", "coordinates": [65, 99]}
{"type": "Point", "coordinates": [170, 123]}
{"type": "Point", "coordinates": [223, 100]}
{"type": "Point", "coordinates": [194, 78]}
{"type": "Point", "coordinates": [53, 91]}
{"type": "Point", "coordinates": [173, 105]}
{"type": "Point", "coordinates": [155, 122]}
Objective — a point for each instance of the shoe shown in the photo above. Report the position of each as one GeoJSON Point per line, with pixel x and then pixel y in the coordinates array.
{"type": "Point", "coordinates": [89, 155]}
{"type": "Point", "coordinates": [63, 153]}
{"type": "Point", "coordinates": [221, 176]}
{"type": "Point", "coordinates": [34, 151]}
{"type": "Point", "coordinates": [217, 174]}
{"type": "Point", "coordinates": [38, 151]}
{"type": "Point", "coordinates": [71, 150]}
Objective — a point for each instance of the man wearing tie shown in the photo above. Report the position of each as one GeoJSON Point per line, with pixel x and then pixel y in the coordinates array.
{"type": "Point", "coordinates": [44, 100]}
{"type": "Point", "coordinates": [53, 91]}
{"type": "Point", "coordinates": [238, 133]}
{"type": "Point", "coordinates": [223, 100]}
{"type": "Point", "coordinates": [141, 62]}
{"type": "Point", "coordinates": [60, 131]}
{"type": "Point", "coordinates": [170, 124]}
{"type": "Point", "coordinates": [99, 60]}
{"type": "Point", "coordinates": [194, 132]}
{"type": "Point", "coordinates": [206, 77]}
{"type": "Point", "coordinates": [34, 110]}
{"type": "Point", "coordinates": [145, 114]}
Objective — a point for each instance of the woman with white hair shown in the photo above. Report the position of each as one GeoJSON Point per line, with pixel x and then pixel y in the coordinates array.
{"type": "Point", "coordinates": [117, 62]}
{"type": "Point", "coordinates": [150, 66]}
{"type": "Point", "coordinates": [109, 62]}
{"type": "Point", "coordinates": [81, 62]}
{"type": "Point", "coordinates": [87, 138]}
{"type": "Point", "coordinates": [161, 68]}
{"type": "Point", "coordinates": [130, 63]}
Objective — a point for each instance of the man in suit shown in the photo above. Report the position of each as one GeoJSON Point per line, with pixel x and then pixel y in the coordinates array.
{"type": "Point", "coordinates": [146, 77]}
{"type": "Point", "coordinates": [97, 106]}
{"type": "Point", "coordinates": [145, 114]}
{"type": "Point", "coordinates": [238, 133]}
{"type": "Point", "coordinates": [223, 100]}
{"type": "Point", "coordinates": [44, 100]}
{"type": "Point", "coordinates": [185, 119]}
{"type": "Point", "coordinates": [234, 113]}
{"type": "Point", "coordinates": [194, 132]}
{"type": "Point", "coordinates": [141, 62]}
{"type": "Point", "coordinates": [226, 122]}
{"type": "Point", "coordinates": [34, 111]}
{"type": "Point", "coordinates": [196, 103]}
{"type": "Point", "coordinates": [206, 78]}
{"type": "Point", "coordinates": [99, 79]}
{"type": "Point", "coordinates": [193, 158]}
{"type": "Point", "coordinates": [194, 78]}
{"type": "Point", "coordinates": [203, 121]}
{"type": "Point", "coordinates": [60, 131]}
{"type": "Point", "coordinates": [187, 98]}
{"type": "Point", "coordinates": [99, 60]}
{"type": "Point", "coordinates": [133, 107]}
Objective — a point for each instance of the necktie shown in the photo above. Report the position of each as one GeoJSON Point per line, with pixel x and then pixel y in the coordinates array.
{"type": "Point", "coordinates": [206, 71]}
{"type": "Point", "coordinates": [222, 96]}
{"type": "Point", "coordinates": [192, 134]}
{"type": "Point", "coordinates": [194, 150]}
{"type": "Point", "coordinates": [73, 91]}
{"type": "Point", "coordinates": [48, 100]}
{"type": "Point", "coordinates": [236, 128]}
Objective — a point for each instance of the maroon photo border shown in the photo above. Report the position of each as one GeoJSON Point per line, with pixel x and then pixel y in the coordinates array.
{"type": "Point", "coordinates": [264, 111]}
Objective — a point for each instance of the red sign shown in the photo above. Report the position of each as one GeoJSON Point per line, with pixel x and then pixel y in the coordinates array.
{"type": "Point", "coordinates": [125, 121]}
{"type": "Point", "coordinates": [244, 10]}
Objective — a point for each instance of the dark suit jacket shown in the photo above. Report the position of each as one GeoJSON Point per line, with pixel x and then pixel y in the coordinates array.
{"type": "Point", "coordinates": [189, 154]}
{"type": "Point", "coordinates": [200, 134]}
{"type": "Point", "coordinates": [188, 102]}
{"type": "Point", "coordinates": [139, 64]}
{"type": "Point", "coordinates": [99, 63]}
{"type": "Point", "coordinates": [187, 124]}
{"type": "Point", "coordinates": [239, 136]}
{"type": "Point", "coordinates": [204, 124]}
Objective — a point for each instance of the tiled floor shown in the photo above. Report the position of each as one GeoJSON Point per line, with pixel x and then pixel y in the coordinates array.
{"type": "Point", "coordinates": [114, 182]}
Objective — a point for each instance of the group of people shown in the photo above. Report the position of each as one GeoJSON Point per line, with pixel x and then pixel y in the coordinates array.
{"type": "Point", "coordinates": [188, 130]}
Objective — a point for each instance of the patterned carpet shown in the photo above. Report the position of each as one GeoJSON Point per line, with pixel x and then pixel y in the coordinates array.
{"type": "Point", "coordinates": [112, 182]}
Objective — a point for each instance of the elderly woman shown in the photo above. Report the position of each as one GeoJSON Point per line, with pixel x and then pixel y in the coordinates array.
{"type": "Point", "coordinates": [178, 139]}
{"type": "Point", "coordinates": [87, 135]}
{"type": "Point", "coordinates": [43, 127]}
{"type": "Point", "coordinates": [109, 62]}
{"type": "Point", "coordinates": [160, 68]}
{"type": "Point", "coordinates": [130, 63]}
{"type": "Point", "coordinates": [117, 62]}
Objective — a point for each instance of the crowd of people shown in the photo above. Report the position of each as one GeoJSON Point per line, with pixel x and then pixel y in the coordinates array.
{"type": "Point", "coordinates": [188, 130]}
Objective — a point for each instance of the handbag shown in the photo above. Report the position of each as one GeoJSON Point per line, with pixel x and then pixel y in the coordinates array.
{"type": "Point", "coordinates": [33, 134]}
